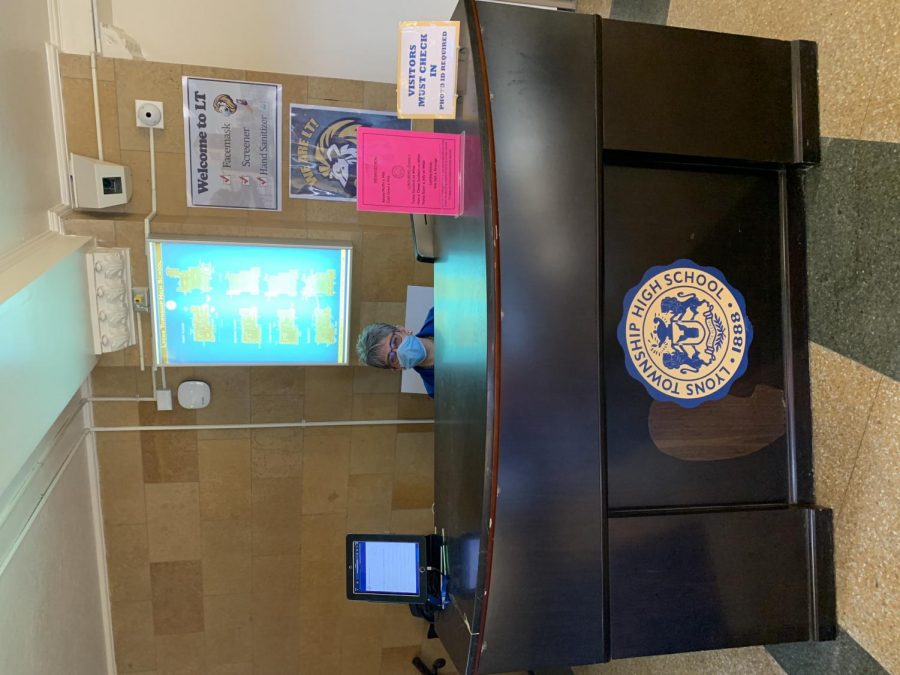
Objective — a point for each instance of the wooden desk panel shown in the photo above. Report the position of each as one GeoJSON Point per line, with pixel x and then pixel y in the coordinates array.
{"type": "Point", "coordinates": [730, 219]}
{"type": "Point", "coordinates": [546, 601]}
{"type": "Point", "coordinates": [692, 581]}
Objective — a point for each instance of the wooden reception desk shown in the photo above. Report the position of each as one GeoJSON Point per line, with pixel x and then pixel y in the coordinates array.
{"type": "Point", "coordinates": [596, 505]}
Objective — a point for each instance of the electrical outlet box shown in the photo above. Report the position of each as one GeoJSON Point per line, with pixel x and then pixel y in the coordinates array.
{"type": "Point", "coordinates": [140, 299]}
{"type": "Point", "coordinates": [98, 185]}
{"type": "Point", "coordinates": [163, 399]}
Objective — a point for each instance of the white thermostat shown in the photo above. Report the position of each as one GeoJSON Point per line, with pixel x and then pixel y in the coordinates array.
{"type": "Point", "coordinates": [193, 394]}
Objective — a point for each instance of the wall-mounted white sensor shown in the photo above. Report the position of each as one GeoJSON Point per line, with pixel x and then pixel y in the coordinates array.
{"type": "Point", "coordinates": [163, 399]}
{"type": "Point", "coordinates": [99, 185]}
{"type": "Point", "coordinates": [193, 394]}
{"type": "Point", "coordinates": [149, 114]}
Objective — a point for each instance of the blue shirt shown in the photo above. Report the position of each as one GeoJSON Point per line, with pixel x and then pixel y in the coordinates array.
{"type": "Point", "coordinates": [427, 374]}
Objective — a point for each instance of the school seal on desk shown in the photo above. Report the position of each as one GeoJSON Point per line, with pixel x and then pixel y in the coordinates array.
{"type": "Point", "coordinates": [685, 333]}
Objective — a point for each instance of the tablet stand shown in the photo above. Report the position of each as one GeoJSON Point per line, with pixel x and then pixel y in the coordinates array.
{"type": "Point", "coordinates": [425, 670]}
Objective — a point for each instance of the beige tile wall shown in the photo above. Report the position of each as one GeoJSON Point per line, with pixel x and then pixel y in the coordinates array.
{"type": "Point", "coordinates": [225, 548]}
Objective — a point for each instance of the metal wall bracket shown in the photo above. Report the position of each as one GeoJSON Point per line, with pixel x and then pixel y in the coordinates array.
{"type": "Point", "coordinates": [423, 238]}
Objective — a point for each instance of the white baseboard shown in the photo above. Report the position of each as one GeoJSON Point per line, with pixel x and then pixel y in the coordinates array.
{"type": "Point", "coordinates": [24, 502]}
{"type": "Point", "coordinates": [23, 499]}
{"type": "Point", "coordinates": [56, 216]}
{"type": "Point", "coordinates": [99, 537]}
{"type": "Point", "coordinates": [58, 113]}
{"type": "Point", "coordinates": [55, 22]}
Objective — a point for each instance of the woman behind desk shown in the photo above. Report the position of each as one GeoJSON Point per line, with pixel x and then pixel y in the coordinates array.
{"type": "Point", "coordinates": [382, 345]}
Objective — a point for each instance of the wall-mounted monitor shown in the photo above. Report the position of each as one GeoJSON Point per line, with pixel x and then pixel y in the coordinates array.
{"type": "Point", "coordinates": [249, 302]}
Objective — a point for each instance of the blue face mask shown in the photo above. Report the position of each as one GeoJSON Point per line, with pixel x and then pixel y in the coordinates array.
{"type": "Point", "coordinates": [411, 352]}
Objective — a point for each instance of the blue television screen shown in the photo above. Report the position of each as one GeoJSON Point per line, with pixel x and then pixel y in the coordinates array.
{"type": "Point", "coordinates": [249, 303]}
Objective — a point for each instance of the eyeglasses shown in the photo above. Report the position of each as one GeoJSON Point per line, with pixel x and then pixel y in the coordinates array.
{"type": "Point", "coordinates": [392, 359]}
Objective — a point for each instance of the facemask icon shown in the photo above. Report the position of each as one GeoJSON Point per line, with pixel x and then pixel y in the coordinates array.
{"type": "Point", "coordinates": [411, 352]}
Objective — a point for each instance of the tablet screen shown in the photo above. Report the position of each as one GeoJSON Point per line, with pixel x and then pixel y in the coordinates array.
{"type": "Point", "coordinates": [386, 567]}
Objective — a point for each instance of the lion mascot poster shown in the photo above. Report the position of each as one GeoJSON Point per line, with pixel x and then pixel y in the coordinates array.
{"type": "Point", "coordinates": [323, 149]}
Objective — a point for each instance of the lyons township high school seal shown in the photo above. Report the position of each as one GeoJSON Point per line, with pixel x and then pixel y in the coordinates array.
{"type": "Point", "coordinates": [685, 333]}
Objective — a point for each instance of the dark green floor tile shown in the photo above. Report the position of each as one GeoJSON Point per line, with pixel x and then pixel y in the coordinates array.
{"type": "Point", "coordinates": [642, 11]}
{"type": "Point", "coordinates": [853, 232]}
{"type": "Point", "coordinates": [843, 656]}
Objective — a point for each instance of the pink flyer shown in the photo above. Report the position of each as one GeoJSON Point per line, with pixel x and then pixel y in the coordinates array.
{"type": "Point", "coordinates": [408, 171]}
